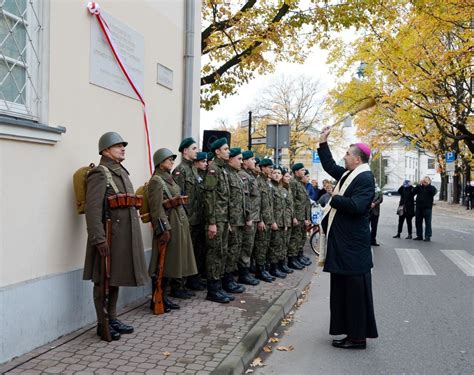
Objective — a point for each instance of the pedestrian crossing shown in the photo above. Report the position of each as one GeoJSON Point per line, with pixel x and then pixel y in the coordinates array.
{"type": "Point", "coordinates": [413, 262]}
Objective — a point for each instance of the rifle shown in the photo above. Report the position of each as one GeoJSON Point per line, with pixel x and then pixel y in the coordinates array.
{"type": "Point", "coordinates": [158, 301]}
{"type": "Point", "coordinates": [104, 284]}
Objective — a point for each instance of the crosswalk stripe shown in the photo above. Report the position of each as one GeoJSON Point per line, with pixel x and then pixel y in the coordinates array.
{"type": "Point", "coordinates": [413, 262]}
{"type": "Point", "coordinates": [462, 259]}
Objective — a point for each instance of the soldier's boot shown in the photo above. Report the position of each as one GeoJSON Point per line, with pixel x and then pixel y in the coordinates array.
{"type": "Point", "coordinates": [283, 267]}
{"type": "Point", "coordinates": [214, 294]}
{"type": "Point", "coordinates": [153, 288]}
{"type": "Point", "coordinates": [246, 278]}
{"type": "Point", "coordinates": [230, 286]}
{"type": "Point", "coordinates": [304, 260]}
{"type": "Point", "coordinates": [262, 274]}
{"type": "Point", "coordinates": [120, 327]}
{"type": "Point", "coordinates": [294, 264]}
{"type": "Point", "coordinates": [223, 292]}
{"type": "Point", "coordinates": [193, 283]}
{"type": "Point", "coordinates": [113, 333]}
{"type": "Point", "coordinates": [274, 271]}
{"type": "Point", "coordinates": [169, 305]}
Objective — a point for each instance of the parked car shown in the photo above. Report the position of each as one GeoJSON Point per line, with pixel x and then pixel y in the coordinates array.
{"type": "Point", "coordinates": [389, 191]}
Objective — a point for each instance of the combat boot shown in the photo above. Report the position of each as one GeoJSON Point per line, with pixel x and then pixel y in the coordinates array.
{"type": "Point", "coordinates": [223, 292]}
{"type": "Point", "coordinates": [262, 274]}
{"type": "Point", "coordinates": [214, 294]}
{"type": "Point", "coordinates": [113, 333]}
{"type": "Point", "coordinates": [193, 283]}
{"type": "Point", "coordinates": [274, 271]}
{"type": "Point", "coordinates": [283, 267]}
{"type": "Point", "coordinates": [294, 264]}
{"type": "Point", "coordinates": [230, 286]}
{"type": "Point", "coordinates": [246, 278]}
{"type": "Point", "coordinates": [304, 260]}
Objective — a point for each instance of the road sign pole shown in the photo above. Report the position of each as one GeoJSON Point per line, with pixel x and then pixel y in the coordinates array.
{"type": "Point", "coordinates": [276, 144]}
{"type": "Point", "coordinates": [250, 130]}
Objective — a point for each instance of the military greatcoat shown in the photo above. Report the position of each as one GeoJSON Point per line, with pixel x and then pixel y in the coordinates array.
{"type": "Point", "coordinates": [128, 266]}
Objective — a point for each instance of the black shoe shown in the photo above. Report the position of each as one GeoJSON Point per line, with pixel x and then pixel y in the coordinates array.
{"type": "Point", "coordinates": [427, 239]}
{"type": "Point", "coordinates": [223, 292]}
{"type": "Point", "coordinates": [303, 260]}
{"type": "Point", "coordinates": [409, 237]}
{"type": "Point", "coordinates": [375, 244]}
{"type": "Point", "coordinates": [396, 236]}
{"type": "Point", "coordinates": [274, 271]}
{"type": "Point", "coordinates": [350, 344]}
{"type": "Point", "coordinates": [263, 275]}
{"type": "Point", "coordinates": [214, 294]}
{"type": "Point", "coordinates": [166, 308]}
{"type": "Point", "coordinates": [246, 278]}
{"type": "Point", "coordinates": [120, 327]}
{"type": "Point", "coordinates": [180, 293]}
{"type": "Point", "coordinates": [340, 341]}
{"type": "Point", "coordinates": [418, 239]}
{"type": "Point", "coordinates": [193, 283]}
{"type": "Point", "coordinates": [113, 333]}
{"type": "Point", "coordinates": [230, 286]}
{"type": "Point", "coordinates": [294, 264]}
{"type": "Point", "coordinates": [169, 304]}
{"type": "Point", "coordinates": [283, 267]}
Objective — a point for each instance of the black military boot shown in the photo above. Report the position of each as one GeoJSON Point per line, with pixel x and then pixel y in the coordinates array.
{"type": "Point", "coordinates": [169, 305]}
{"type": "Point", "coordinates": [274, 271]}
{"type": "Point", "coordinates": [230, 286]}
{"type": "Point", "coordinates": [120, 327]}
{"type": "Point", "coordinates": [283, 267]}
{"type": "Point", "coordinates": [214, 294]}
{"type": "Point", "coordinates": [304, 260]}
{"type": "Point", "coordinates": [246, 278]}
{"type": "Point", "coordinates": [113, 333]}
{"type": "Point", "coordinates": [294, 264]}
{"type": "Point", "coordinates": [193, 283]}
{"type": "Point", "coordinates": [262, 274]}
{"type": "Point", "coordinates": [223, 292]}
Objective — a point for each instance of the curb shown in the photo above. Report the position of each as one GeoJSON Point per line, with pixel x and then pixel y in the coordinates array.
{"type": "Point", "coordinates": [253, 342]}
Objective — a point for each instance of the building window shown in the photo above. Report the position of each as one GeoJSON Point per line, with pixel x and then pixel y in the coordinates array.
{"type": "Point", "coordinates": [20, 29]}
{"type": "Point", "coordinates": [431, 163]}
{"type": "Point", "coordinates": [385, 162]}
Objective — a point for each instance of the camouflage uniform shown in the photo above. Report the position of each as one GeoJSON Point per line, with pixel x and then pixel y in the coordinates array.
{"type": "Point", "coordinates": [262, 239]}
{"type": "Point", "coordinates": [275, 250]}
{"type": "Point", "coordinates": [216, 204]}
{"type": "Point", "coordinates": [237, 215]}
{"type": "Point", "coordinates": [302, 212]}
{"type": "Point", "coordinates": [252, 199]}
{"type": "Point", "coordinates": [288, 217]}
{"type": "Point", "coordinates": [191, 184]}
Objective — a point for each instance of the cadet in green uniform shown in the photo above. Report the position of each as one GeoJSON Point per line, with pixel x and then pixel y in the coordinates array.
{"type": "Point", "coordinates": [216, 203]}
{"type": "Point", "coordinates": [302, 216]}
{"type": "Point", "coordinates": [275, 251]}
{"type": "Point", "coordinates": [188, 179]}
{"type": "Point", "coordinates": [288, 217]}
{"type": "Point", "coordinates": [252, 198]}
{"type": "Point", "coordinates": [201, 165]}
{"type": "Point", "coordinates": [179, 259]}
{"type": "Point", "coordinates": [127, 258]}
{"type": "Point", "coordinates": [266, 222]}
{"type": "Point", "coordinates": [237, 215]}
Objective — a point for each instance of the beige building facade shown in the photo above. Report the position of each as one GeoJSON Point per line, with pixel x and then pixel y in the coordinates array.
{"type": "Point", "coordinates": [60, 92]}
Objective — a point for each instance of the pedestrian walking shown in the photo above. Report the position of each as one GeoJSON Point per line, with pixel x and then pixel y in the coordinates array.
{"type": "Point", "coordinates": [374, 215]}
{"type": "Point", "coordinates": [406, 208]}
{"type": "Point", "coordinates": [346, 239]}
{"type": "Point", "coordinates": [166, 205]}
{"type": "Point", "coordinates": [425, 193]}
{"type": "Point", "coordinates": [106, 186]}
{"type": "Point", "coordinates": [469, 194]}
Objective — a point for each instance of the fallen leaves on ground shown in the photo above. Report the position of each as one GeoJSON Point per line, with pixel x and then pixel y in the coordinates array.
{"type": "Point", "coordinates": [241, 309]}
{"type": "Point", "coordinates": [249, 371]}
{"type": "Point", "coordinates": [286, 321]}
{"type": "Point", "coordinates": [285, 348]}
{"type": "Point", "coordinates": [257, 362]}
{"type": "Point", "coordinates": [267, 349]}
{"type": "Point", "coordinates": [243, 301]}
{"type": "Point", "coordinates": [274, 339]}
{"type": "Point", "coordinates": [167, 354]}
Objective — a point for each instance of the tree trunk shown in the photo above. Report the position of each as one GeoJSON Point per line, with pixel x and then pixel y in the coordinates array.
{"type": "Point", "coordinates": [443, 190]}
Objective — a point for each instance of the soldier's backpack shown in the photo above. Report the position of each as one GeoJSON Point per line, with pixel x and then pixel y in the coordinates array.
{"type": "Point", "coordinates": [144, 209]}
{"type": "Point", "coordinates": [79, 180]}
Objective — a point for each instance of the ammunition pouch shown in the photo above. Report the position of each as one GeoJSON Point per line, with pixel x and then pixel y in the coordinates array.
{"type": "Point", "coordinates": [175, 201]}
{"type": "Point", "coordinates": [125, 201]}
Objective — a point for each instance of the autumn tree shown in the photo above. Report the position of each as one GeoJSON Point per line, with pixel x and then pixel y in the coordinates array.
{"type": "Point", "coordinates": [242, 38]}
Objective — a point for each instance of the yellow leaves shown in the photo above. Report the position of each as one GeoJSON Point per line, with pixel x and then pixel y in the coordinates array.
{"type": "Point", "coordinates": [257, 362]}
{"type": "Point", "coordinates": [289, 348]}
{"type": "Point", "coordinates": [166, 354]}
{"type": "Point", "coordinates": [274, 339]}
{"type": "Point", "coordinates": [267, 349]}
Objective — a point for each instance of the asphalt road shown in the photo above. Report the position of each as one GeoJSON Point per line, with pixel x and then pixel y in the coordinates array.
{"type": "Point", "coordinates": [424, 306]}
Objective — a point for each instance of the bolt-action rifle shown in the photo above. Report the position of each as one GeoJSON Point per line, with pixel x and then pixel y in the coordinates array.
{"type": "Point", "coordinates": [158, 301]}
{"type": "Point", "coordinates": [104, 283]}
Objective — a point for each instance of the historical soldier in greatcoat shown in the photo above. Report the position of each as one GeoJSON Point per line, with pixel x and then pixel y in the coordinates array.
{"type": "Point", "coordinates": [127, 259]}
{"type": "Point", "coordinates": [170, 224]}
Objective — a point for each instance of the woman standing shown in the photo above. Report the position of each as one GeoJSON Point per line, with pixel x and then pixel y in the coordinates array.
{"type": "Point", "coordinates": [406, 208]}
{"type": "Point", "coordinates": [170, 224]}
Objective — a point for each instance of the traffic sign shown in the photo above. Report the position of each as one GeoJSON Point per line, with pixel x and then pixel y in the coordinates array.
{"type": "Point", "coordinates": [316, 159]}
{"type": "Point", "coordinates": [450, 166]}
{"type": "Point", "coordinates": [450, 157]}
{"type": "Point", "coordinates": [259, 141]}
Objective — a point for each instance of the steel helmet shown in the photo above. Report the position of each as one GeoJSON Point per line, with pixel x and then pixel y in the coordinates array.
{"type": "Point", "coordinates": [109, 139]}
{"type": "Point", "coordinates": [161, 155]}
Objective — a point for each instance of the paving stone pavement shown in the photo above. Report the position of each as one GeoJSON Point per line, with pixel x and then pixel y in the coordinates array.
{"type": "Point", "coordinates": [192, 340]}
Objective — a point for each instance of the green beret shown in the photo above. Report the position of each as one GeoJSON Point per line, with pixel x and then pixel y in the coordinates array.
{"type": "Point", "coordinates": [218, 143]}
{"type": "Point", "coordinates": [257, 161]}
{"type": "Point", "coordinates": [297, 167]}
{"type": "Point", "coordinates": [210, 156]}
{"type": "Point", "coordinates": [235, 151]}
{"type": "Point", "coordinates": [201, 156]}
{"type": "Point", "coordinates": [247, 154]}
{"type": "Point", "coordinates": [185, 143]}
{"type": "Point", "coordinates": [266, 162]}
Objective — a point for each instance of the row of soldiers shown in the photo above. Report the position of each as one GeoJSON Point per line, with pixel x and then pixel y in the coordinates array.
{"type": "Point", "coordinates": [219, 214]}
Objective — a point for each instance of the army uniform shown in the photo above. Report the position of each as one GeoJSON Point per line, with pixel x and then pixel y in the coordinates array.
{"type": "Point", "coordinates": [288, 217]}
{"type": "Point", "coordinates": [127, 260]}
{"type": "Point", "coordinates": [275, 251]}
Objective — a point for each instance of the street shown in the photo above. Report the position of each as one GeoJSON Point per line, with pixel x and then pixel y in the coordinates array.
{"type": "Point", "coordinates": [424, 306]}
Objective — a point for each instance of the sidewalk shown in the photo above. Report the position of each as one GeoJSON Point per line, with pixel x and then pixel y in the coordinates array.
{"type": "Point", "coordinates": [200, 338]}
{"type": "Point", "coordinates": [457, 209]}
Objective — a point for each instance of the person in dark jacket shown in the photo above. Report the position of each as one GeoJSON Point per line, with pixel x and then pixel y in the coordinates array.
{"type": "Point", "coordinates": [407, 202]}
{"type": "Point", "coordinates": [424, 205]}
{"type": "Point", "coordinates": [374, 215]}
{"type": "Point", "coordinates": [469, 194]}
{"type": "Point", "coordinates": [345, 227]}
